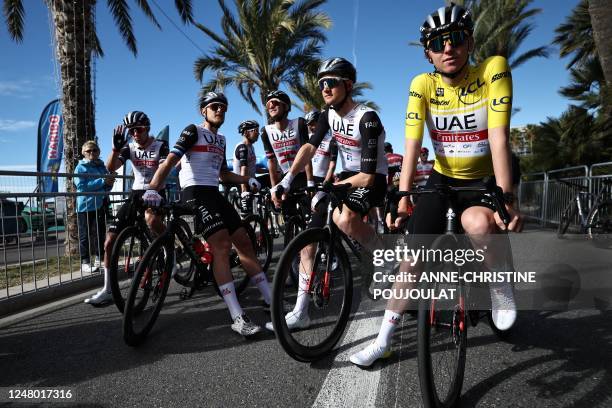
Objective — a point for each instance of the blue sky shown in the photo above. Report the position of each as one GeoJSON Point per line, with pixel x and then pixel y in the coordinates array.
{"type": "Point", "coordinates": [375, 35]}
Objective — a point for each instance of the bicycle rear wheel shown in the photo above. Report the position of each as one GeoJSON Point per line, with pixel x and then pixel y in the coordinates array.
{"type": "Point", "coordinates": [149, 288]}
{"type": "Point", "coordinates": [329, 295]}
{"type": "Point", "coordinates": [128, 250]}
{"type": "Point", "coordinates": [567, 216]}
{"type": "Point", "coordinates": [600, 225]}
{"type": "Point", "coordinates": [442, 337]}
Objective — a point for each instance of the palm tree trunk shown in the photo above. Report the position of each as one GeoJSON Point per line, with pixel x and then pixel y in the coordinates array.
{"type": "Point", "coordinates": [74, 38]}
{"type": "Point", "coordinates": [601, 16]}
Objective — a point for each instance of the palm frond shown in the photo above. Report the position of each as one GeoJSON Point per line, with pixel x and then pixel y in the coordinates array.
{"type": "Point", "coordinates": [146, 9]}
{"type": "Point", "coordinates": [14, 15]}
{"type": "Point", "coordinates": [121, 14]}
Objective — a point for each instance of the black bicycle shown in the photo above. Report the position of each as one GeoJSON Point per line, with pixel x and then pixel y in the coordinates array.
{"type": "Point", "coordinates": [176, 253]}
{"type": "Point", "coordinates": [443, 323]}
{"type": "Point", "coordinates": [596, 220]}
{"type": "Point", "coordinates": [322, 265]}
{"type": "Point", "coordinates": [128, 250]}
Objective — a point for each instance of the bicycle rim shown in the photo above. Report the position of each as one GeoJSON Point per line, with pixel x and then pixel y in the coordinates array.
{"type": "Point", "coordinates": [128, 251]}
{"type": "Point", "coordinates": [184, 266]}
{"type": "Point", "coordinates": [442, 339]}
{"type": "Point", "coordinates": [566, 218]}
{"type": "Point", "coordinates": [600, 225]}
{"type": "Point", "coordinates": [328, 299]}
{"type": "Point", "coordinates": [149, 289]}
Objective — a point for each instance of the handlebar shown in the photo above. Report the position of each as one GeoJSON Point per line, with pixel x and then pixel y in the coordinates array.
{"type": "Point", "coordinates": [495, 194]}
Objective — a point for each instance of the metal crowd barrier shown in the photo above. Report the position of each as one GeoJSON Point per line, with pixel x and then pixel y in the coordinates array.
{"type": "Point", "coordinates": [542, 198]}
{"type": "Point", "coordinates": [35, 254]}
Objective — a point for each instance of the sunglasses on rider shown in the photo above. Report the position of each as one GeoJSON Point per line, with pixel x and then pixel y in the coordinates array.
{"type": "Point", "coordinates": [330, 82]}
{"type": "Point", "coordinates": [456, 39]}
{"type": "Point", "coordinates": [218, 107]}
{"type": "Point", "coordinates": [137, 129]}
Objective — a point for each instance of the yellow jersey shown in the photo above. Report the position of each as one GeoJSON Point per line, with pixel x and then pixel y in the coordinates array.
{"type": "Point", "coordinates": [459, 117]}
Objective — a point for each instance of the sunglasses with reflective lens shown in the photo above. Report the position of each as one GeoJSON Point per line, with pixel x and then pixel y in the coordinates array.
{"type": "Point", "coordinates": [136, 129]}
{"type": "Point", "coordinates": [456, 38]}
{"type": "Point", "coordinates": [329, 82]}
{"type": "Point", "coordinates": [218, 107]}
{"type": "Point", "coordinates": [92, 151]}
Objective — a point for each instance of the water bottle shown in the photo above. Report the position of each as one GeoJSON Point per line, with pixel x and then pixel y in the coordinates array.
{"type": "Point", "coordinates": [202, 249]}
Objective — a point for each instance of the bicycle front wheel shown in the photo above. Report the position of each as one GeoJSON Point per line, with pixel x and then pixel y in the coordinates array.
{"type": "Point", "coordinates": [441, 336]}
{"type": "Point", "coordinates": [149, 289]}
{"type": "Point", "coordinates": [323, 299]}
{"type": "Point", "coordinates": [293, 226]}
{"type": "Point", "coordinates": [600, 225]}
{"type": "Point", "coordinates": [128, 250]}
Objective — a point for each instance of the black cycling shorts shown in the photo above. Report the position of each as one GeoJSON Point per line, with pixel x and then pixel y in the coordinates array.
{"type": "Point", "coordinates": [214, 212]}
{"type": "Point", "coordinates": [127, 213]}
{"type": "Point", "coordinates": [430, 211]}
{"type": "Point", "coordinates": [362, 199]}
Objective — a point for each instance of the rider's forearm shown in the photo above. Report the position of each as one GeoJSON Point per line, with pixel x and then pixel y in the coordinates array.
{"type": "Point", "coordinates": [330, 171]}
{"type": "Point", "coordinates": [273, 172]}
{"type": "Point", "coordinates": [227, 176]}
{"type": "Point", "coordinates": [162, 171]}
{"type": "Point", "coordinates": [411, 154]}
{"type": "Point", "coordinates": [500, 153]}
{"type": "Point", "coordinates": [243, 173]}
{"type": "Point", "coordinates": [113, 162]}
{"type": "Point", "coordinates": [360, 180]}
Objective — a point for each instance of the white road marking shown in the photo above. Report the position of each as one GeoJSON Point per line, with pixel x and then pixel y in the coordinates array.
{"type": "Point", "coordinates": [347, 385]}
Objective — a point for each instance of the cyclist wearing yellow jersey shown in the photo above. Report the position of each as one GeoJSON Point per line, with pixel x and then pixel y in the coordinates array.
{"type": "Point", "coordinates": [467, 112]}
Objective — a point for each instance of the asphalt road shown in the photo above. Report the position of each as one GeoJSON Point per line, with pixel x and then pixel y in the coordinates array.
{"type": "Point", "coordinates": [192, 358]}
{"type": "Point", "coordinates": [32, 247]}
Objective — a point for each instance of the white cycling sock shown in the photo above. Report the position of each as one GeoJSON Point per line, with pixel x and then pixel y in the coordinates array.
{"type": "Point", "coordinates": [228, 291]}
{"type": "Point", "coordinates": [390, 322]}
{"type": "Point", "coordinates": [261, 281]}
{"type": "Point", "coordinates": [301, 304]}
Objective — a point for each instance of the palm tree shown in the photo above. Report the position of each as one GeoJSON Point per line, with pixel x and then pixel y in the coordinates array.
{"type": "Point", "coordinates": [76, 43]}
{"type": "Point", "coordinates": [601, 15]}
{"type": "Point", "coordinates": [267, 44]}
{"type": "Point", "coordinates": [307, 90]}
{"type": "Point", "coordinates": [500, 27]}
{"type": "Point", "coordinates": [587, 80]}
{"type": "Point", "coordinates": [575, 36]}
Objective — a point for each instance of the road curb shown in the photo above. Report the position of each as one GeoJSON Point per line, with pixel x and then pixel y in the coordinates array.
{"type": "Point", "coordinates": [31, 305]}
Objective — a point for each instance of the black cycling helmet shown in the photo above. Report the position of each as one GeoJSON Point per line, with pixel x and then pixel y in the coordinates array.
{"type": "Point", "coordinates": [337, 66]}
{"type": "Point", "coordinates": [312, 116]}
{"type": "Point", "coordinates": [247, 125]}
{"type": "Point", "coordinates": [135, 119]}
{"type": "Point", "coordinates": [445, 19]}
{"type": "Point", "coordinates": [388, 147]}
{"type": "Point", "coordinates": [280, 96]}
{"type": "Point", "coordinates": [206, 98]}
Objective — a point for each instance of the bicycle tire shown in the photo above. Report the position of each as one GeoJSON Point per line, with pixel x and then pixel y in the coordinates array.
{"type": "Point", "coordinates": [298, 344]}
{"type": "Point", "coordinates": [566, 218]}
{"type": "Point", "coordinates": [599, 225]}
{"type": "Point", "coordinates": [137, 243]}
{"type": "Point", "coordinates": [439, 319]}
{"type": "Point", "coordinates": [263, 240]}
{"type": "Point", "coordinates": [293, 226]}
{"type": "Point", "coordinates": [184, 264]}
{"type": "Point", "coordinates": [153, 277]}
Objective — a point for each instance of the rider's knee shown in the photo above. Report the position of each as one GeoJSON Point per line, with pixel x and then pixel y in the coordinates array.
{"type": "Point", "coordinates": [477, 223]}
{"type": "Point", "coordinates": [221, 246]}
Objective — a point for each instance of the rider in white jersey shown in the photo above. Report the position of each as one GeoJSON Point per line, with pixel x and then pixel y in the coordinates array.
{"type": "Point", "coordinates": [423, 168]}
{"type": "Point", "coordinates": [324, 159]}
{"type": "Point", "coordinates": [146, 154]}
{"type": "Point", "coordinates": [360, 136]}
{"type": "Point", "coordinates": [201, 151]}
